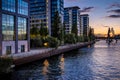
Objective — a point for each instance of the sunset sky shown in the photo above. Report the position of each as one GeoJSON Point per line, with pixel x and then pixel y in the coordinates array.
{"type": "Point", "coordinates": [103, 13]}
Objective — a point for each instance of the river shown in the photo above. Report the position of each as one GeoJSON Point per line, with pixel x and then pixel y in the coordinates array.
{"type": "Point", "coordinates": [97, 62]}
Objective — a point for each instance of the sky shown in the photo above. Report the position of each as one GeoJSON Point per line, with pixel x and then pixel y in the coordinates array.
{"type": "Point", "coordinates": [102, 13]}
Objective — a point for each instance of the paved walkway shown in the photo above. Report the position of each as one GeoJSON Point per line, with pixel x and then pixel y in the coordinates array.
{"type": "Point", "coordinates": [40, 51]}
{"type": "Point", "coordinates": [30, 53]}
{"type": "Point", "coordinates": [37, 54]}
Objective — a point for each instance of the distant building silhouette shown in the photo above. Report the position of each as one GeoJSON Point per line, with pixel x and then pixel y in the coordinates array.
{"type": "Point", "coordinates": [71, 18]}
{"type": "Point", "coordinates": [84, 24]}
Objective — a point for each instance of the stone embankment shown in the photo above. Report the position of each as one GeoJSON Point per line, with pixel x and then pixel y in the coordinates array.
{"type": "Point", "coordinates": [37, 54]}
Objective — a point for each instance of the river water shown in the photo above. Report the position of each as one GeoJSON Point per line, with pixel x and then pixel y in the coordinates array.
{"type": "Point", "coordinates": [98, 62]}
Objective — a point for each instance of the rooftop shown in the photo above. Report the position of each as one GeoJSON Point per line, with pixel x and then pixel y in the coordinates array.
{"type": "Point", "coordinates": [84, 15]}
{"type": "Point", "coordinates": [73, 7]}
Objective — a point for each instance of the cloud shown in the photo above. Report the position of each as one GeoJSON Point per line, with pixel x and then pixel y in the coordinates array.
{"type": "Point", "coordinates": [114, 5]}
{"type": "Point", "coordinates": [114, 16]}
{"type": "Point", "coordinates": [115, 11]}
{"type": "Point", "coordinates": [87, 9]}
{"type": "Point", "coordinates": [104, 25]}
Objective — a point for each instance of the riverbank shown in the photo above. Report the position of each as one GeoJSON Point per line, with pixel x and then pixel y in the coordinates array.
{"type": "Point", "coordinates": [98, 62]}
{"type": "Point", "coordinates": [37, 54]}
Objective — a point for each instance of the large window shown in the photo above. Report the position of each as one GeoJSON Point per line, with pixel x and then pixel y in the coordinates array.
{"type": "Point", "coordinates": [7, 27]}
{"type": "Point", "coordinates": [22, 7]}
{"type": "Point", "coordinates": [22, 28]}
{"type": "Point", "coordinates": [22, 48]}
{"type": "Point", "coordinates": [8, 50]}
{"type": "Point", "coordinates": [8, 5]}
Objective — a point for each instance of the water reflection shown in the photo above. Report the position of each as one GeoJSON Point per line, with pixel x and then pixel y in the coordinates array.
{"type": "Point", "coordinates": [54, 70]}
{"type": "Point", "coordinates": [98, 62]}
{"type": "Point", "coordinates": [61, 63]}
{"type": "Point", "coordinates": [45, 69]}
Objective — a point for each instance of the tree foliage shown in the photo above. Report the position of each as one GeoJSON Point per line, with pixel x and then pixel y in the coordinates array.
{"type": "Point", "coordinates": [56, 25]}
{"type": "Point", "coordinates": [5, 65]}
{"type": "Point", "coordinates": [34, 31]}
{"type": "Point", "coordinates": [62, 34]}
{"type": "Point", "coordinates": [43, 30]}
{"type": "Point", "coordinates": [91, 35]}
{"type": "Point", "coordinates": [80, 38]}
{"type": "Point", "coordinates": [36, 42]}
{"type": "Point", "coordinates": [74, 29]}
{"type": "Point", "coordinates": [52, 42]}
{"type": "Point", "coordinates": [70, 38]}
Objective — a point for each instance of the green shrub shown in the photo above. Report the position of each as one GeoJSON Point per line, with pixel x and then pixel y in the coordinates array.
{"type": "Point", "coordinates": [36, 42]}
{"type": "Point", "coordinates": [80, 38]}
{"type": "Point", "coordinates": [91, 38]}
{"type": "Point", "coordinates": [86, 38]}
{"type": "Point", "coordinates": [70, 38]}
{"type": "Point", "coordinates": [52, 42]}
{"type": "Point", "coordinates": [5, 65]}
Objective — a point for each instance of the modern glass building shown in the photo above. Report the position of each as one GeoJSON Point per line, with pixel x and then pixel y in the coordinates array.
{"type": "Point", "coordinates": [71, 18]}
{"type": "Point", "coordinates": [14, 26]}
{"type": "Point", "coordinates": [84, 24]}
{"type": "Point", "coordinates": [57, 6]}
{"type": "Point", "coordinates": [40, 13]}
{"type": "Point", "coordinates": [43, 11]}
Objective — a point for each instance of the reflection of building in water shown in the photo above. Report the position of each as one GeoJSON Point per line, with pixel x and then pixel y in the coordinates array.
{"type": "Point", "coordinates": [45, 68]}
{"type": "Point", "coordinates": [61, 63]}
{"type": "Point", "coordinates": [54, 66]}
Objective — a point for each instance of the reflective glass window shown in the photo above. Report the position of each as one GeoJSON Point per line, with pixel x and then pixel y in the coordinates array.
{"type": "Point", "coordinates": [22, 28]}
{"type": "Point", "coordinates": [22, 7]}
{"type": "Point", "coordinates": [8, 5]}
{"type": "Point", "coordinates": [7, 27]}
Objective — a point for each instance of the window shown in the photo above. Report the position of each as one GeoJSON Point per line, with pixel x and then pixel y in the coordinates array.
{"type": "Point", "coordinates": [22, 27]}
{"type": "Point", "coordinates": [7, 27]}
{"type": "Point", "coordinates": [8, 49]}
{"type": "Point", "coordinates": [22, 7]}
{"type": "Point", "coordinates": [22, 48]}
{"type": "Point", "coordinates": [8, 5]}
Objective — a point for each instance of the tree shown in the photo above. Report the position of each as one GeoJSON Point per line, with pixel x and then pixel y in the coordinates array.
{"type": "Point", "coordinates": [74, 29]}
{"type": "Point", "coordinates": [34, 31]}
{"type": "Point", "coordinates": [62, 33]}
{"type": "Point", "coordinates": [108, 34]}
{"type": "Point", "coordinates": [91, 34]}
{"type": "Point", "coordinates": [52, 42]}
{"type": "Point", "coordinates": [36, 42]}
{"type": "Point", "coordinates": [70, 38]}
{"type": "Point", "coordinates": [64, 28]}
{"type": "Point", "coordinates": [56, 26]}
{"type": "Point", "coordinates": [43, 30]}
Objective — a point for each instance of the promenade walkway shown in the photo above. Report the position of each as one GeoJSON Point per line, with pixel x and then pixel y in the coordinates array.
{"type": "Point", "coordinates": [36, 54]}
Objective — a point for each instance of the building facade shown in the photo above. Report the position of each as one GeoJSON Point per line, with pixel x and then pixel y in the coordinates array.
{"type": "Point", "coordinates": [43, 11]}
{"type": "Point", "coordinates": [84, 24]}
{"type": "Point", "coordinates": [40, 13]}
{"type": "Point", "coordinates": [14, 26]}
{"type": "Point", "coordinates": [71, 18]}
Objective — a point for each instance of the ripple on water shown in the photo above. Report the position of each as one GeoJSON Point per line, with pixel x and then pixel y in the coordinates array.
{"type": "Point", "coordinates": [99, 62]}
